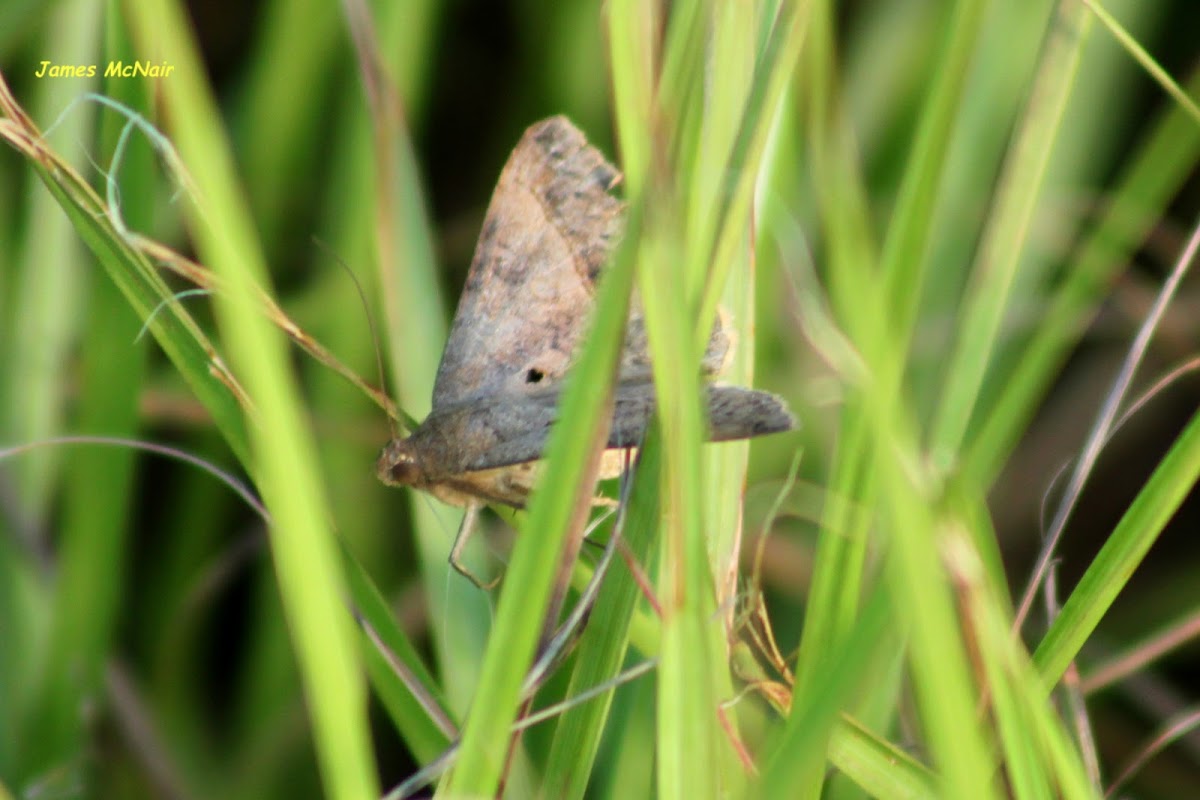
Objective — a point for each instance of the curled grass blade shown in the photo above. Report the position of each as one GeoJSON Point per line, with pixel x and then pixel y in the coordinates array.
{"type": "Point", "coordinates": [176, 332]}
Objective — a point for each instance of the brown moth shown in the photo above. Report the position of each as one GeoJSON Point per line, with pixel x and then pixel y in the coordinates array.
{"type": "Point", "coordinates": [524, 310]}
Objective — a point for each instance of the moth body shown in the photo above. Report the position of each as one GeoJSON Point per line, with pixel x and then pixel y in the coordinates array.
{"type": "Point", "coordinates": [548, 233]}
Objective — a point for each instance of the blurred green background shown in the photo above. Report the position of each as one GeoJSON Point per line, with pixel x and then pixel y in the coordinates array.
{"type": "Point", "coordinates": [170, 672]}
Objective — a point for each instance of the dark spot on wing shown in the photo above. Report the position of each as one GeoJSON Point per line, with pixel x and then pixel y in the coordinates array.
{"type": "Point", "coordinates": [595, 258]}
{"type": "Point", "coordinates": [605, 176]}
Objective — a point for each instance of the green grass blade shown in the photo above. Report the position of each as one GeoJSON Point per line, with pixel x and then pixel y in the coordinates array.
{"type": "Point", "coordinates": [1039, 758]}
{"type": "Point", "coordinates": [1008, 227]}
{"type": "Point", "coordinates": [687, 743]}
{"type": "Point", "coordinates": [840, 559]}
{"type": "Point", "coordinates": [919, 583]}
{"type": "Point", "coordinates": [415, 325]}
{"type": "Point", "coordinates": [1123, 550]}
{"type": "Point", "coordinates": [906, 246]}
{"type": "Point", "coordinates": [303, 548]}
{"type": "Point", "coordinates": [796, 762]}
{"type": "Point", "coordinates": [734, 46]}
{"type": "Point", "coordinates": [98, 487]}
{"type": "Point", "coordinates": [40, 321]}
{"type": "Point", "coordinates": [687, 692]}
{"type": "Point", "coordinates": [554, 514]}
{"type": "Point", "coordinates": [602, 649]}
{"type": "Point", "coordinates": [1146, 61]}
{"type": "Point", "coordinates": [279, 131]}
{"type": "Point", "coordinates": [631, 34]}
{"type": "Point", "coordinates": [382, 639]}
{"type": "Point", "coordinates": [1153, 176]}
{"type": "Point", "coordinates": [878, 767]}
{"type": "Point", "coordinates": [47, 297]}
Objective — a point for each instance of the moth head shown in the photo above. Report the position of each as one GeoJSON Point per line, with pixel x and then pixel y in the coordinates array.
{"type": "Point", "coordinates": [398, 465]}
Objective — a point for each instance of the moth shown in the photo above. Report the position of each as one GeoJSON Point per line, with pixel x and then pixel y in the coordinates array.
{"type": "Point", "coordinates": [524, 310]}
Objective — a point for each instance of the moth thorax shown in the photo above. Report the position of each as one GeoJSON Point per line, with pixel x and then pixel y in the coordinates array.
{"type": "Point", "coordinates": [398, 465]}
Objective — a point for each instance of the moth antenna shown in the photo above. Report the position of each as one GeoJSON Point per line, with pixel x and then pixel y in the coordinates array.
{"type": "Point", "coordinates": [362, 297]}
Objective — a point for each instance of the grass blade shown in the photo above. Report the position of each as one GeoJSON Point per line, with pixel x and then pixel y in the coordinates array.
{"type": "Point", "coordinates": [554, 514]}
{"type": "Point", "coordinates": [305, 555]}
{"type": "Point", "coordinates": [1008, 226]}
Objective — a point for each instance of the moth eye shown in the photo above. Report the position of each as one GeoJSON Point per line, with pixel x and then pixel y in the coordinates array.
{"type": "Point", "coordinates": [405, 473]}
{"type": "Point", "coordinates": [534, 376]}
{"type": "Point", "coordinates": [397, 467]}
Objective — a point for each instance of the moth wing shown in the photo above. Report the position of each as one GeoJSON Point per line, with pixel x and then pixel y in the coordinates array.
{"type": "Point", "coordinates": [518, 428]}
{"type": "Point", "coordinates": [511, 429]}
{"type": "Point", "coordinates": [549, 229]}
{"type": "Point", "coordinates": [514, 430]}
{"type": "Point", "coordinates": [635, 355]}
{"type": "Point", "coordinates": [735, 412]}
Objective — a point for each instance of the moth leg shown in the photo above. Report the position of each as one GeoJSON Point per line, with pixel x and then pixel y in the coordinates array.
{"type": "Point", "coordinates": [465, 529]}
